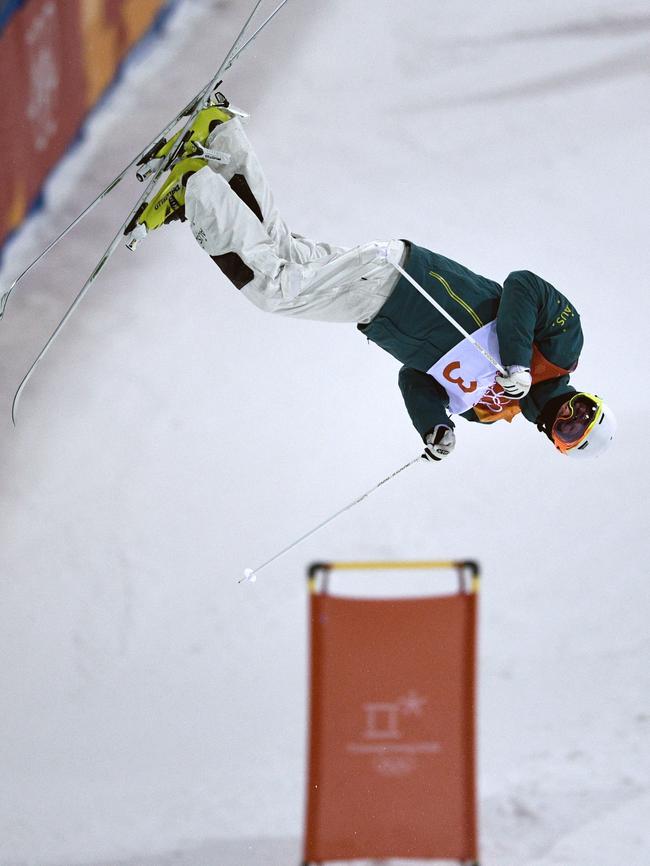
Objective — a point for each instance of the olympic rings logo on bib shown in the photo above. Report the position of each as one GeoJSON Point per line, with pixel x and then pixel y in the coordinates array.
{"type": "Point", "coordinates": [495, 400]}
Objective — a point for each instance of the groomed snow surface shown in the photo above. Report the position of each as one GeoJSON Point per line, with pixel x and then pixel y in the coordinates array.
{"type": "Point", "coordinates": [153, 710]}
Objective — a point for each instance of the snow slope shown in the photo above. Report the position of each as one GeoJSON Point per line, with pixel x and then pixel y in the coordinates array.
{"type": "Point", "coordinates": [152, 707]}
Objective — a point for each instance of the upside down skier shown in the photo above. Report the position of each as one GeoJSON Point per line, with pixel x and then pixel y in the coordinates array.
{"type": "Point", "coordinates": [527, 325]}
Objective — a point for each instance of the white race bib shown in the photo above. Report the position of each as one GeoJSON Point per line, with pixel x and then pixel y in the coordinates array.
{"type": "Point", "coordinates": [465, 373]}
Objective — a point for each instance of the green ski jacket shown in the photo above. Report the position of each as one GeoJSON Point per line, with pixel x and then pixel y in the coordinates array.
{"type": "Point", "coordinates": [536, 327]}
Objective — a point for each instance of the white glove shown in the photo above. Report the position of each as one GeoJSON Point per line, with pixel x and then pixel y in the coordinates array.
{"type": "Point", "coordinates": [517, 381]}
{"type": "Point", "coordinates": [439, 443]}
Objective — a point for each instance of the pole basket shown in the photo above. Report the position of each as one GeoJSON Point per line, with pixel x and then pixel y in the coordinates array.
{"type": "Point", "coordinates": [392, 761]}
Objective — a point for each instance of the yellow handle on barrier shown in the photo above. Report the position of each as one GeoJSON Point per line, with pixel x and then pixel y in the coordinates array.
{"type": "Point", "coordinates": [395, 565]}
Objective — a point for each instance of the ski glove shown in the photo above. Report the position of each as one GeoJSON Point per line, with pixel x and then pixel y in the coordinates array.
{"type": "Point", "coordinates": [516, 383]}
{"type": "Point", "coordinates": [439, 443]}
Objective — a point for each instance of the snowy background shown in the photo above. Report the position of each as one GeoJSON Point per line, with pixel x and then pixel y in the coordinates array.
{"type": "Point", "coordinates": [151, 707]}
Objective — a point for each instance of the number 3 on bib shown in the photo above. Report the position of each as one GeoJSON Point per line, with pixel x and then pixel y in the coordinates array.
{"type": "Point", "coordinates": [447, 373]}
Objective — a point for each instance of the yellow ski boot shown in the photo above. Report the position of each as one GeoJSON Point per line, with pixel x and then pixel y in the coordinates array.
{"type": "Point", "coordinates": [217, 112]}
{"type": "Point", "coordinates": [168, 201]}
{"type": "Point", "coordinates": [167, 204]}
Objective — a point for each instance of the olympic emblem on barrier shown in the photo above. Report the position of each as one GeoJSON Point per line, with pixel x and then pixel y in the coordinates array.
{"type": "Point", "coordinates": [385, 736]}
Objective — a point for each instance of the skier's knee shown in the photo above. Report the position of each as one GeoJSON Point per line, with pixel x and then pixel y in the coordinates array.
{"type": "Point", "coordinates": [235, 269]}
{"type": "Point", "coordinates": [240, 186]}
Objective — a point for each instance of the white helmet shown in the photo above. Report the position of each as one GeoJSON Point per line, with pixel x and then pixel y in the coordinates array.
{"type": "Point", "coordinates": [584, 426]}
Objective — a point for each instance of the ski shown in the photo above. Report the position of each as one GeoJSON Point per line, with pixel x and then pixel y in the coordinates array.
{"type": "Point", "coordinates": [141, 159]}
{"type": "Point", "coordinates": [233, 53]}
{"type": "Point", "coordinates": [156, 143]}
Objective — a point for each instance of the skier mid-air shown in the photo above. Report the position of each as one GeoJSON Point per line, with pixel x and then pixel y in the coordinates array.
{"type": "Point", "coordinates": [531, 329]}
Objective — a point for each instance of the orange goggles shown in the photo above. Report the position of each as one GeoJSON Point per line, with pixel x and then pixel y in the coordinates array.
{"type": "Point", "coordinates": [575, 420]}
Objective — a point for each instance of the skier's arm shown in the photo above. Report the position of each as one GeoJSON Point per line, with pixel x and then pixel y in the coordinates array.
{"type": "Point", "coordinates": [426, 401]}
{"type": "Point", "coordinates": [521, 312]}
{"type": "Point", "coordinates": [532, 310]}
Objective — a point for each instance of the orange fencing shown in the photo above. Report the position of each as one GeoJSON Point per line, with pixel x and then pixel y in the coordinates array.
{"type": "Point", "coordinates": [392, 714]}
{"type": "Point", "coordinates": [57, 57]}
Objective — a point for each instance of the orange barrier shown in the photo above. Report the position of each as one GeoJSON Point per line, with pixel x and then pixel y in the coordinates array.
{"type": "Point", "coordinates": [57, 57]}
{"type": "Point", "coordinates": [392, 716]}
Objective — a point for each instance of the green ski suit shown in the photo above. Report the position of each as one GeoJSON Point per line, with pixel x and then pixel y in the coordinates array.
{"type": "Point", "coordinates": [537, 327]}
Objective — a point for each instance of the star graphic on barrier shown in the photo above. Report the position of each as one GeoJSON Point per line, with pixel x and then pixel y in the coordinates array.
{"type": "Point", "coordinates": [411, 704]}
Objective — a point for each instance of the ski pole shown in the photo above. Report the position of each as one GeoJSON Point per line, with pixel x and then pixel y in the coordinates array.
{"type": "Point", "coordinates": [250, 574]}
{"type": "Point", "coordinates": [451, 319]}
